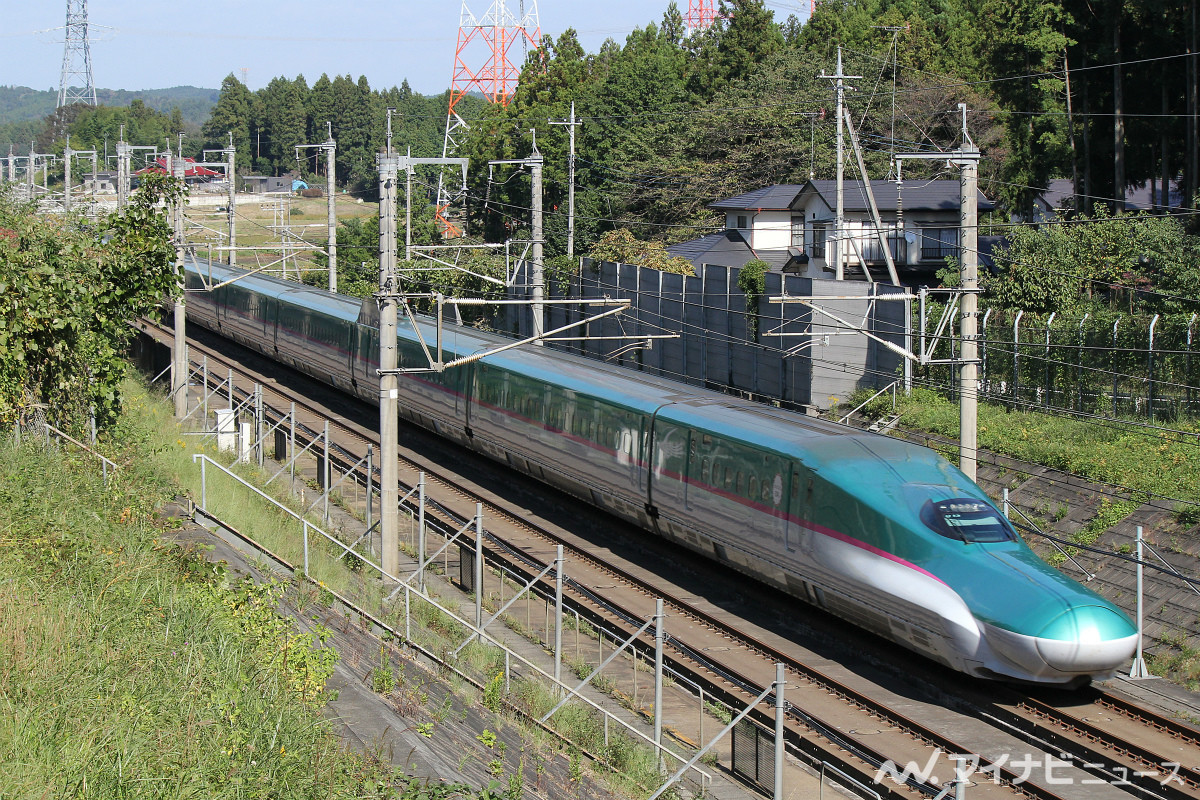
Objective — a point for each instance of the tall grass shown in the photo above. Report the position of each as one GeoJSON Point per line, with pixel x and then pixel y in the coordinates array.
{"type": "Point", "coordinates": [1141, 459]}
{"type": "Point", "coordinates": [128, 668]}
{"type": "Point", "coordinates": [157, 464]}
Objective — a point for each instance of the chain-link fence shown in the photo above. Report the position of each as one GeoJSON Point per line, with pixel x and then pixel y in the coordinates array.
{"type": "Point", "coordinates": [1108, 364]}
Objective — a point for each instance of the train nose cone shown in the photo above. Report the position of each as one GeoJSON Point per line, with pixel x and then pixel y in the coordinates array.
{"type": "Point", "coordinates": [1087, 639]}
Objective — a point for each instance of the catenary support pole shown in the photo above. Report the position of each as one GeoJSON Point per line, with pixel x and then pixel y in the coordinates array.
{"type": "Point", "coordinates": [68, 154]}
{"type": "Point", "coordinates": [123, 165]}
{"type": "Point", "coordinates": [539, 282]}
{"type": "Point", "coordinates": [330, 151]}
{"type": "Point", "coordinates": [1139, 670]}
{"type": "Point", "coordinates": [231, 209]}
{"type": "Point", "coordinates": [179, 383]}
{"type": "Point", "coordinates": [570, 124]}
{"type": "Point", "coordinates": [780, 744]}
{"type": "Point", "coordinates": [389, 394]}
{"type": "Point", "coordinates": [969, 259]}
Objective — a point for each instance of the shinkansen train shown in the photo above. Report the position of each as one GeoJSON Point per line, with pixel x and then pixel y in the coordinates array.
{"type": "Point", "coordinates": [887, 535]}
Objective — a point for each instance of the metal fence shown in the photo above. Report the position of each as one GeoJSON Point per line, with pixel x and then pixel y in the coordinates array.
{"type": "Point", "coordinates": [1108, 364]}
{"type": "Point", "coordinates": [787, 354]}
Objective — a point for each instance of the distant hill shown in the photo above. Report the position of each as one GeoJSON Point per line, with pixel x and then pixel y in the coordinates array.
{"type": "Point", "coordinates": [22, 104]}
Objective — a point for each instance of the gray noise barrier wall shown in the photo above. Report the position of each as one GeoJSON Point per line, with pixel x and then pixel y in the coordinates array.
{"type": "Point", "coordinates": [718, 346]}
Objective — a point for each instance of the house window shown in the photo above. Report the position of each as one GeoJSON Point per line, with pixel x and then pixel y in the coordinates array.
{"type": "Point", "coordinates": [873, 253]}
{"type": "Point", "coordinates": [741, 222]}
{"type": "Point", "coordinates": [939, 243]}
{"type": "Point", "coordinates": [798, 233]}
{"type": "Point", "coordinates": [818, 240]}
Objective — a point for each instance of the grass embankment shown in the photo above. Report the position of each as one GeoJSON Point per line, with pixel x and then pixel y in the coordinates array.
{"type": "Point", "coordinates": [1140, 459]}
{"type": "Point", "coordinates": [127, 667]}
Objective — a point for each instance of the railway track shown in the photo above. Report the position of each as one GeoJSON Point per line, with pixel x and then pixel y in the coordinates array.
{"type": "Point", "coordinates": [836, 719]}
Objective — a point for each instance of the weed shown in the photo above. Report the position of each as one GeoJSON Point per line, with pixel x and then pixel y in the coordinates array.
{"type": "Point", "coordinates": [1187, 514]}
{"type": "Point", "coordinates": [493, 693]}
{"type": "Point", "coordinates": [719, 712]}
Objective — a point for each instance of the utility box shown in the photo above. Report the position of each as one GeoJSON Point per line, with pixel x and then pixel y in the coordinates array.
{"type": "Point", "coordinates": [226, 430]}
{"type": "Point", "coordinates": [245, 441]}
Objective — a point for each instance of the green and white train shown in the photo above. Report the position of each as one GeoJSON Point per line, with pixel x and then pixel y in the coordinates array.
{"type": "Point", "coordinates": [887, 535]}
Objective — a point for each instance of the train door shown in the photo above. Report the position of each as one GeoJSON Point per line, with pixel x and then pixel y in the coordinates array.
{"type": "Point", "coordinates": [795, 512]}
{"type": "Point", "coordinates": [693, 492]}
{"type": "Point", "coordinates": [668, 463]}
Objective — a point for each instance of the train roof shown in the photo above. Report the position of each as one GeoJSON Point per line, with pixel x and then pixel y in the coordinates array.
{"type": "Point", "coordinates": [336, 305]}
{"type": "Point", "coordinates": [833, 448]}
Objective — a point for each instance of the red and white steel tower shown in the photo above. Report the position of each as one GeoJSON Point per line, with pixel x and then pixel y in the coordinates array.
{"type": "Point", "coordinates": [700, 15]}
{"type": "Point", "coordinates": [483, 63]}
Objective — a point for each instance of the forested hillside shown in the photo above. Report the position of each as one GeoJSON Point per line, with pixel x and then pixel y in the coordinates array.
{"type": "Point", "coordinates": [268, 124]}
{"type": "Point", "coordinates": [673, 122]}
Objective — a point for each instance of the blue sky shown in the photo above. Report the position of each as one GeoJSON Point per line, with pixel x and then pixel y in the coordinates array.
{"type": "Point", "coordinates": [142, 44]}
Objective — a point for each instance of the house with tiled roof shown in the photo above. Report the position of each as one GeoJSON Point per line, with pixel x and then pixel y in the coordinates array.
{"type": "Point", "coordinates": [790, 226]}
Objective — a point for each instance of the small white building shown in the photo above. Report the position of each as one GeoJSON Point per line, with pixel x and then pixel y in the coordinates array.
{"type": "Point", "coordinates": [790, 226]}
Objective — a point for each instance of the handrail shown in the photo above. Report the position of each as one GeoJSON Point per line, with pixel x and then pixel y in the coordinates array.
{"type": "Point", "coordinates": [204, 459]}
{"type": "Point", "coordinates": [892, 386]}
{"type": "Point", "coordinates": [62, 435]}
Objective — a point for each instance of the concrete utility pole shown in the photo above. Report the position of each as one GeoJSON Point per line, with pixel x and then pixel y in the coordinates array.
{"type": "Point", "coordinates": [571, 125]}
{"type": "Point", "coordinates": [969, 259]}
{"type": "Point", "coordinates": [179, 382]}
{"type": "Point", "coordinates": [67, 153]}
{"type": "Point", "coordinates": [539, 278]}
{"type": "Point", "coordinates": [12, 165]}
{"type": "Point", "coordinates": [389, 386]}
{"type": "Point", "coordinates": [965, 157]}
{"type": "Point", "coordinates": [839, 222]}
{"type": "Point", "coordinates": [330, 148]}
{"type": "Point", "coordinates": [123, 162]}
{"type": "Point", "coordinates": [69, 156]}
{"type": "Point", "coordinates": [535, 163]}
{"type": "Point", "coordinates": [231, 176]}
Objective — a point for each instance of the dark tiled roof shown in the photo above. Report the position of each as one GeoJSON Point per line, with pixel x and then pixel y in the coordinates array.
{"type": "Point", "coordinates": [1061, 193]}
{"type": "Point", "coordinates": [722, 246]}
{"type": "Point", "coordinates": [770, 198]}
{"type": "Point", "coordinates": [940, 195]}
{"type": "Point", "coordinates": [727, 249]}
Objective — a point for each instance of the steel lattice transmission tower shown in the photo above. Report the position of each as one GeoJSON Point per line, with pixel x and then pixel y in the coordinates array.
{"type": "Point", "coordinates": [483, 63]}
{"type": "Point", "coordinates": [700, 15]}
{"type": "Point", "coordinates": [76, 84]}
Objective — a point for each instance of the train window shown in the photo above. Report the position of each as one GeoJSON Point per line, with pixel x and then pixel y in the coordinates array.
{"type": "Point", "coordinates": [705, 468]}
{"type": "Point", "coordinates": [766, 490]}
{"type": "Point", "coordinates": [741, 481]}
{"type": "Point", "coordinates": [728, 477]}
{"type": "Point", "coordinates": [753, 487]}
{"type": "Point", "coordinates": [966, 519]}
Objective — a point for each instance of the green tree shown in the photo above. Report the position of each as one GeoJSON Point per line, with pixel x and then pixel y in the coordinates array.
{"type": "Point", "coordinates": [620, 246]}
{"type": "Point", "coordinates": [1128, 261]}
{"type": "Point", "coordinates": [68, 294]}
{"type": "Point", "coordinates": [233, 112]}
{"type": "Point", "coordinates": [1025, 44]}
{"type": "Point", "coordinates": [743, 35]}
{"type": "Point", "coordinates": [284, 122]}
